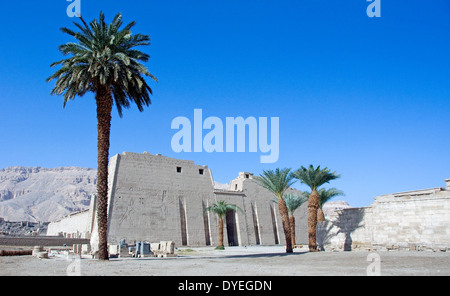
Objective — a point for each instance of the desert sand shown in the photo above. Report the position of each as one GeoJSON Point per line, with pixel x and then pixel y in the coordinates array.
{"type": "Point", "coordinates": [238, 261]}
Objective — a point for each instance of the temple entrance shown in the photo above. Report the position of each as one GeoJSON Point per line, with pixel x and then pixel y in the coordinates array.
{"type": "Point", "coordinates": [232, 233]}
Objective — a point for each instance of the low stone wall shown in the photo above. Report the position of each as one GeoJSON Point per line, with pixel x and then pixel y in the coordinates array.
{"type": "Point", "coordinates": [73, 226]}
{"type": "Point", "coordinates": [45, 241]}
{"type": "Point", "coordinates": [416, 220]}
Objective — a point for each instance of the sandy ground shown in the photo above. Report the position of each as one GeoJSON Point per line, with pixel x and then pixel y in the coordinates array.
{"type": "Point", "coordinates": [238, 261]}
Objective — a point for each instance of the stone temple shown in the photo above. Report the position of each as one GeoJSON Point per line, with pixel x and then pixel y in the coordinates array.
{"type": "Point", "coordinates": [156, 198]}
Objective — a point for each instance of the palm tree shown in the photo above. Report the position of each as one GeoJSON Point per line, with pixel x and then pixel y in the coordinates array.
{"type": "Point", "coordinates": [221, 208]}
{"type": "Point", "coordinates": [324, 196]}
{"type": "Point", "coordinates": [293, 202]}
{"type": "Point", "coordinates": [314, 178]}
{"type": "Point", "coordinates": [278, 182]}
{"type": "Point", "coordinates": [104, 61]}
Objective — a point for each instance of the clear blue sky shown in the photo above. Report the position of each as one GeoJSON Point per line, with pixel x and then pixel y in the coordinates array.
{"type": "Point", "coordinates": [366, 97]}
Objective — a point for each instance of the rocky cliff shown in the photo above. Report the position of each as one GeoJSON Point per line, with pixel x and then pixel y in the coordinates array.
{"type": "Point", "coordinates": [44, 195]}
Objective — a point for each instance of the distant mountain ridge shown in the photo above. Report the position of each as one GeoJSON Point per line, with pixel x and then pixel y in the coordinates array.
{"type": "Point", "coordinates": [37, 194]}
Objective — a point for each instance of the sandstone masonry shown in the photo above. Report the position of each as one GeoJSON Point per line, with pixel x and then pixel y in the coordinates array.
{"type": "Point", "coordinates": [156, 198]}
{"type": "Point", "coordinates": [413, 220]}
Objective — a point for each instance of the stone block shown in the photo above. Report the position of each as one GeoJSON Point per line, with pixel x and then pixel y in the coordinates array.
{"type": "Point", "coordinates": [85, 249]}
{"type": "Point", "coordinates": [114, 249]}
{"type": "Point", "coordinates": [143, 249]}
{"type": "Point", "coordinates": [166, 249]}
{"type": "Point", "coordinates": [36, 250]}
{"type": "Point", "coordinates": [42, 255]}
{"type": "Point", "coordinates": [124, 251]}
{"type": "Point", "coordinates": [154, 247]}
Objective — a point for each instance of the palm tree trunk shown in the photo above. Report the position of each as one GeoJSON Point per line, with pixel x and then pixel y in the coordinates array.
{"type": "Point", "coordinates": [104, 107]}
{"type": "Point", "coordinates": [320, 215]}
{"type": "Point", "coordinates": [220, 231]}
{"type": "Point", "coordinates": [313, 205]}
{"type": "Point", "coordinates": [292, 224]}
{"type": "Point", "coordinates": [286, 225]}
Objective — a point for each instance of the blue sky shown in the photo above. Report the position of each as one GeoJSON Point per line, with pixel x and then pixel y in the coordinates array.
{"type": "Point", "coordinates": [366, 97]}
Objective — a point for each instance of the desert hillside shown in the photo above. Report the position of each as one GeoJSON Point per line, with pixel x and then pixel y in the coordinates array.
{"type": "Point", "coordinates": [44, 195]}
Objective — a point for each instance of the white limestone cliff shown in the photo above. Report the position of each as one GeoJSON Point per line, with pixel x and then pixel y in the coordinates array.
{"type": "Point", "coordinates": [43, 195]}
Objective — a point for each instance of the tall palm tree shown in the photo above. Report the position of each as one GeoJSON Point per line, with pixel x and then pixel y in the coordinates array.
{"type": "Point", "coordinates": [104, 61]}
{"type": "Point", "coordinates": [221, 208]}
{"type": "Point", "coordinates": [293, 202]}
{"type": "Point", "coordinates": [324, 196]}
{"type": "Point", "coordinates": [314, 178]}
{"type": "Point", "coordinates": [278, 182]}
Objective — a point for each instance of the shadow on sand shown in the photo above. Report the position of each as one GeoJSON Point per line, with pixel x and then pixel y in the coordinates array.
{"type": "Point", "coordinates": [219, 256]}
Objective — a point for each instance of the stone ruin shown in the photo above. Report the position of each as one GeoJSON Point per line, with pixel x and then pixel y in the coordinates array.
{"type": "Point", "coordinates": [414, 220]}
{"type": "Point", "coordinates": [143, 249]}
{"type": "Point", "coordinates": [157, 198]}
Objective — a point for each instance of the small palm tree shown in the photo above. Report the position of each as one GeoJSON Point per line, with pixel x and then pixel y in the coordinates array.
{"type": "Point", "coordinates": [278, 182]}
{"type": "Point", "coordinates": [293, 202]}
{"type": "Point", "coordinates": [221, 208]}
{"type": "Point", "coordinates": [104, 61]}
{"type": "Point", "coordinates": [314, 178]}
{"type": "Point", "coordinates": [324, 196]}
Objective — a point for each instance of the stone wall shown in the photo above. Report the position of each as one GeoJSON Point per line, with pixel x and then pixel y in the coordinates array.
{"type": "Point", "coordinates": [76, 225]}
{"type": "Point", "coordinates": [71, 226]}
{"type": "Point", "coordinates": [45, 241]}
{"type": "Point", "coordinates": [346, 230]}
{"type": "Point", "coordinates": [156, 198]}
{"type": "Point", "coordinates": [412, 220]}
{"type": "Point", "coordinates": [263, 218]}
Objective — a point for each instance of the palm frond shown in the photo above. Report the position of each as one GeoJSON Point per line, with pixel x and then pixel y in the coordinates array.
{"type": "Point", "coordinates": [221, 208]}
{"type": "Point", "coordinates": [315, 177]}
{"type": "Point", "coordinates": [104, 56]}
{"type": "Point", "coordinates": [325, 195]}
{"type": "Point", "coordinates": [293, 201]}
{"type": "Point", "coordinates": [276, 181]}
